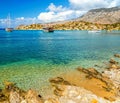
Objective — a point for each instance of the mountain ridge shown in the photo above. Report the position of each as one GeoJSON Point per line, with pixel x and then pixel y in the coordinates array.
{"type": "Point", "coordinates": [95, 19]}
{"type": "Point", "coordinates": [102, 16]}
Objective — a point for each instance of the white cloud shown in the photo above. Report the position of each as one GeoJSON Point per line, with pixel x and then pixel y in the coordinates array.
{"type": "Point", "coordinates": [55, 13]}
{"type": "Point", "coordinates": [23, 20]}
{"type": "Point", "coordinates": [3, 21]}
{"type": "Point", "coordinates": [76, 9]}
{"type": "Point", "coordinates": [20, 18]}
{"type": "Point", "coordinates": [114, 3]}
{"type": "Point", "coordinates": [92, 4]}
{"type": "Point", "coordinates": [18, 21]}
{"type": "Point", "coordinates": [54, 8]}
{"type": "Point", "coordinates": [59, 13]}
{"type": "Point", "coordinates": [87, 4]}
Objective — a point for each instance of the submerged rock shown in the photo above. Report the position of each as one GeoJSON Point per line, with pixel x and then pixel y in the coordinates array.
{"type": "Point", "coordinates": [59, 80]}
{"type": "Point", "coordinates": [112, 61]}
{"type": "Point", "coordinates": [117, 55]}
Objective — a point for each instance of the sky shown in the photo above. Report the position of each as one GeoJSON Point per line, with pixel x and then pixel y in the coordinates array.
{"type": "Point", "coordinates": [43, 11]}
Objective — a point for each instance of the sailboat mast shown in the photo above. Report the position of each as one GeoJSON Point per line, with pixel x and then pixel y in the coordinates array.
{"type": "Point", "coordinates": [8, 29]}
{"type": "Point", "coordinates": [8, 21]}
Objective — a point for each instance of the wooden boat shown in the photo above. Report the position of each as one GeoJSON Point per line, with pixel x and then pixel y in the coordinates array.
{"type": "Point", "coordinates": [8, 29]}
{"type": "Point", "coordinates": [48, 29]}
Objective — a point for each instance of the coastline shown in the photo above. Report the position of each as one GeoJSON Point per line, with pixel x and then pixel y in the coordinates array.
{"type": "Point", "coordinates": [79, 86]}
{"type": "Point", "coordinates": [71, 25]}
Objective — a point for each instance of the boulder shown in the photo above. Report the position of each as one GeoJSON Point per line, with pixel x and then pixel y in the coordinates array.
{"type": "Point", "coordinates": [9, 85]}
{"type": "Point", "coordinates": [112, 61]}
{"type": "Point", "coordinates": [15, 97]}
{"type": "Point", "coordinates": [52, 100]}
{"type": "Point", "coordinates": [114, 66]}
{"type": "Point", "coordinates": [33, 97]}
{"type": "Point", "coordinates": [117, 55]}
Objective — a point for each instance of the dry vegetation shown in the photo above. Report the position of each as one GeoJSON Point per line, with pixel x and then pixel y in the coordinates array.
{"type": "Point", "coordinates": [72, 25]}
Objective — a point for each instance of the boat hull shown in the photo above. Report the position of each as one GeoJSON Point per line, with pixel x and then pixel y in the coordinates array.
{"type": "Point", "coordinates": [48, 29]}
{"type": "Point", "coordinates": [9, 29]}
{"type": "Point", "coordinates": [94, 31]}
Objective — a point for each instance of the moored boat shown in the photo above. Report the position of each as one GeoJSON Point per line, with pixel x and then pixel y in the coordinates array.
{"type": "Point", "coordinates": [8, 29]}
{"type": "Point", "coordinates": [48, 29]}
{"type": "Point", "coordinates": [94, 31]}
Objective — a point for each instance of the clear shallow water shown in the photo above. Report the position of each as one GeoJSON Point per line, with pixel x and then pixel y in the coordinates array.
{"type": "Point", "coordinates": [30, 58]}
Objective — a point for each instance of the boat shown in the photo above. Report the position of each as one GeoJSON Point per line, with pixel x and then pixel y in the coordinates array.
{"type": "Point", "coordinates": [48, 29]}
{"type": "Point", "coordinates": [8, 29]}
{"type": "Point", "coordinates": [94, 31]}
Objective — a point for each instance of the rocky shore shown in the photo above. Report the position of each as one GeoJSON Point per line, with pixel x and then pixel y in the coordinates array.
{"type": "Point", "coordinates": [82, 85]}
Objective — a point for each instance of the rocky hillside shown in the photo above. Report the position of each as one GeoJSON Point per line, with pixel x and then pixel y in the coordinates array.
{"type": "Point", "coordinates": [102, 16]}
{"type": "Point", "coordinates": [96, 19]}
{"type": "Point", "coordinates": [72, 25]}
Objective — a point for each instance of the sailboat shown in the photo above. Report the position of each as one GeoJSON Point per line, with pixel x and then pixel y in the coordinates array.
{"type": "Point", "coordinates": [8, 29]}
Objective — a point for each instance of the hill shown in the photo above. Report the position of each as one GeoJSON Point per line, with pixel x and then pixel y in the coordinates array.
{"type": "Point", "coordinates": [95, 19]}
{"type": "Point", "coordinates": [102, 16]}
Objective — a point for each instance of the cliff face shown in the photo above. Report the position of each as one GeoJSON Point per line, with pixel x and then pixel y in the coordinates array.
{"type": "Point", "coordinates": [102, 16]}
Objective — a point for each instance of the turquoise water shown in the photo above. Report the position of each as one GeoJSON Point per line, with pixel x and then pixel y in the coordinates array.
{"type": "Point", "coordinates": [30, 58]}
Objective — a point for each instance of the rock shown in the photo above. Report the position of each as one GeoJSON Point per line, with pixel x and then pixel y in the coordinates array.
{"type": "Point", "coordinates": [23, 101]}
{"type": "Point", "coordinates": [94, 71]}
{"type": "Point", "coordinates": [59, 80]}
{"type": "Point", "coordinates": [14, 97]}
{"type": "Point", "coordinates": [90, 71]}
{"type": "Point", "coordinates": [80, 95]}
{"type": "Point", "coordinates": [117, 55]}
{"type": "Point", "coordinates": [2, 96]}
{"type": "Point", "coordinates": [59, 90]}
{"type": "Point", "coordinates": [52, 100]}
{"type": "Point", "coordinates": [13, 94]}
{"type": "Point", "coordinates": [9, 85]}
{"type": "Point", "coordinates": [73, 93]}
{"type": "Point", "coordinates": [32, 97]}
{"type": "Point", "coordinates": [114, 66]}
{"type": "Point", "coordinates": [59, 85]}
{"type": "Point", "coordinates": [114, 75]}
{"type": "Point", "coordinates": [112, 61]}
{"type": "Point", "coordinates": [94, 101]}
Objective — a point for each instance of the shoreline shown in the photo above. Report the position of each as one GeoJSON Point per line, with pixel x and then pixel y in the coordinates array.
{"type": "Point", "coordinates": [72, 25]}
{"type": "Point", "coordinates": [100, 86]}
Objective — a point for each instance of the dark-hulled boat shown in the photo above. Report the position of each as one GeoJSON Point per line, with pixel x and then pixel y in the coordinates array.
{"type": "Point", "coordinates": [48, 29]}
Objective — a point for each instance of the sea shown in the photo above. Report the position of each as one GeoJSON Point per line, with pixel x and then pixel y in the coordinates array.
{"type": "Point", "coordinates": [31, 57]}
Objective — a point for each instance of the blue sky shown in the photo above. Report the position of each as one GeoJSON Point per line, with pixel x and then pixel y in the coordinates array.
{"type": "Point", "coordinates": [39, 11]}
